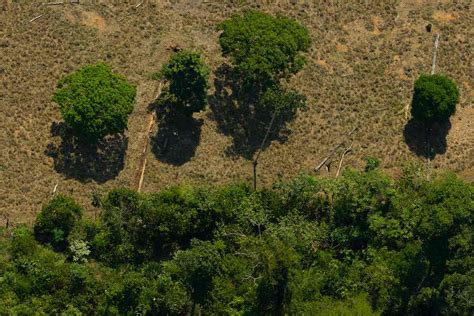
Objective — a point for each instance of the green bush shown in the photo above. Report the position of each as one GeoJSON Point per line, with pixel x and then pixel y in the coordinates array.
{"type": "Point", "coordinates": [95, 102]}
{"type": "Point", "coordinates": [371, 163]}
{"type": "Point", "coordinates": [56, 220]}
{"type": "Point", "coordinates": [434, 98]}
{"type": "Point", "coordinates": [188, 83]}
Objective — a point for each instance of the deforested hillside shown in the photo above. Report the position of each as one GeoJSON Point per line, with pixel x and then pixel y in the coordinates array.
{"type": "Point", "coordinates": [361, 67]}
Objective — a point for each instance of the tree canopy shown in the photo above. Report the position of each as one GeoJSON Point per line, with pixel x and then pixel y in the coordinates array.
{"type": "Point", "coordinates": [95, 102]}
{"type": "Point", "coordinates": [188, 82]}
{"type": "Point", "coordinates": [266, 48]}
{"type": "Point", "coordinates": [362, 243]}
{"type": "Point", "coordinates": [434, 98]}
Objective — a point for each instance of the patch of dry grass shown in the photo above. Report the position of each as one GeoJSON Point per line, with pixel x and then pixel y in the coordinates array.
{"type": "Point", "coordinates": [361, 69]}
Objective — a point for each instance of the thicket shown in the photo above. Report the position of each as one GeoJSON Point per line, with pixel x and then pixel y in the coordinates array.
{"type": "Point", "coordinates": [359, 244]}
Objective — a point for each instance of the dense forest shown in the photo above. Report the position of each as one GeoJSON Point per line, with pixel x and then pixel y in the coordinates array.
{"type": "Point", "coordinates": [360, 244]}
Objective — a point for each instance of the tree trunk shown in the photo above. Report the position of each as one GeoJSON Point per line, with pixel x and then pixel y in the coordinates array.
{"type": "Point", "coordinates": [255, 161]}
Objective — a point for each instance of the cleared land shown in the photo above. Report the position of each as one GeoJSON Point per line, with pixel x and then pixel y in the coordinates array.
{"type": "Point", "coordinates": [361, 68]}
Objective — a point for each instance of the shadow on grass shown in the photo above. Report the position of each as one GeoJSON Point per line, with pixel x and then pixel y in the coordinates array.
{"type": "Point", "coordinates": [237, 116]}
{"type": "Point", "coordinates": [177, 138]}
{"type": "Point", "coordinates": [84, 161]}
{"type": "Point", "coordinates": [424, 141]}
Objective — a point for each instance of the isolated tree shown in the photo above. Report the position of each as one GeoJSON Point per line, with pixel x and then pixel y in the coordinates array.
{"type": "Point", "coordinates": [434, 99]}
{"type": "Point", "coordinates": [188, 82]}
{"type": "Point", "coordinates": [56, 220]}
{"type": "Point", "coordinates": [95, 102]}
{"type": "Point", "coordinates": [265, 48]}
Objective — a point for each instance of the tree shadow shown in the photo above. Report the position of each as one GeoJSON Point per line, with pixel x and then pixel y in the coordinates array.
{"type": "Point", "coordinates": [177, 138]}
{"type": "Point", "coordinates": [233, 108]}
{"type": "Point", "coordinates": [85, 161]}
{"type": "Point", "coordinates": [426, 141]}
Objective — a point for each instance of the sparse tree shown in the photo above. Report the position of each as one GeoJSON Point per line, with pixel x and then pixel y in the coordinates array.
{"type": "Point", "coordinates": [434, 99]}
{"type": "Point", "coordinates": [265, 48]}
{"type": "Point", "coordinates": [95, 102]}
{"type": "Point", "coordinates": [188, 83]}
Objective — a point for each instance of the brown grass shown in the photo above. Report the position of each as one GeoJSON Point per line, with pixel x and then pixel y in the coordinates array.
{"type": "Point", "coordinates": [361, 70]}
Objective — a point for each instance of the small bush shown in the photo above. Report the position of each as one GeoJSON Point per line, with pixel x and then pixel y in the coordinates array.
{"type": "Point", "coordinates": [56, 220]}
{"type": "Point", "coordinates": [371, 163]}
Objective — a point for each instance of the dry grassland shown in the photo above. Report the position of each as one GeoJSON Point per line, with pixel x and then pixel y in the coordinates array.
{"type": "Point", "coordinates": [364, 60]}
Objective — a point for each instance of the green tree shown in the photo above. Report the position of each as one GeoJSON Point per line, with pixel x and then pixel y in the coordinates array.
{"type": "Point", "coordinates": [188, 82]}
{"type": "Point", "coordinates": [95, 102]}
{"type": "Point", "coordinates": [265, 48]}
{"type": "Point", "coordinates": [56, 220]}
{"type": "Point", "coordinates": [434, 98]}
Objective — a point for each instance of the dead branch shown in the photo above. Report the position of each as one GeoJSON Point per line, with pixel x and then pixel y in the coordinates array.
{"type": "Point", "coordinates": [138, 5]}
{"type": "Point", "coordinates": [54, 3]}
{"type": "Point", "coordinates": [348, 150]}
{"type": "Point", "coordinates": [55, 188]}
{"type": "Point", "coordinates": [333, 151]}
{"type": "Point", "coordinates": [37, 17]}
{"type": "Point", "coordinates": [435, 49]}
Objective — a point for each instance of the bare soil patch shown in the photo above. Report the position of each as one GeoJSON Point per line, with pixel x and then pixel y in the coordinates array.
{"type": "Point", "coordinates": [441, 16]}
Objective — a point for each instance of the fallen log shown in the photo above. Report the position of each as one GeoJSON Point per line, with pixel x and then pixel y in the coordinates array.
{"type": "Point", "coordinates": [333, 151]}
{"type": "Point", "coordinates": [348, 150]}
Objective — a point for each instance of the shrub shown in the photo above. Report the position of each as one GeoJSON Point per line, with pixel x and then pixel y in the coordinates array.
{"type": "Point", "coordinates": [188, 82]}
{"type": "Point", "coordinates": [371, 163]}
{"type": "Point", "coordinates": [23, 242]}
{"type": "Point", "coordinates": [434, 98]}
{"type": "Point", "coordinates": [95, 102]}
{"type": "Point", "coordinates": [56, 220]}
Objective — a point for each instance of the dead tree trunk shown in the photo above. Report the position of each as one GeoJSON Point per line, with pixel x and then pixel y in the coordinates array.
{"type": "Point", "coordinates": [333, 151]}
{"type": "Point", "coordinates": [142, 167]}
{"type": "Point", "coordinates": [255, 161]}
{"type": "Point", "coordinates": [348, 150]}
{"type": "Point", "coordinates": [433, 67]}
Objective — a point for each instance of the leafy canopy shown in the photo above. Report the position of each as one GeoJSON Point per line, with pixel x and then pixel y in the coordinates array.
{"type": "Point", "coordinates": [434, 98]}
{"type": "Point", "coordinates": [95, 102]}
{"type": "Point", "coordinates": [363, 244]}
{"type": "Point", "coordinates": [188, 82]}
{"type": "Point", "coordinates": [264, 47]}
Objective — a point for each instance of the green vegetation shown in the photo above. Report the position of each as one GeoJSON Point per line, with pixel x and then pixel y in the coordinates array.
{"type": "Point", "coordinates": [265, 48]}
{"type": "Point", "coordinates": [95, 102]}
{"type": "Point", "coordinates": [362, 243]}
{"type": "Point", "coordinates": [188, 83]}
{"type": "Point", "coordinates": [56, 220]}
{"type": "Point", "coordinates": [434, 99]}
